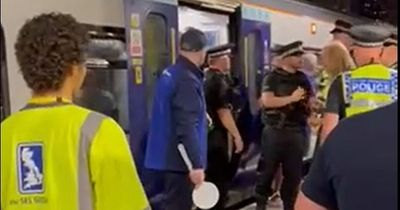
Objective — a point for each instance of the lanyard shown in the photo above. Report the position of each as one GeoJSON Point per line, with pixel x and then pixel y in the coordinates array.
{"type": "Point", "coordinates": [44, 102]}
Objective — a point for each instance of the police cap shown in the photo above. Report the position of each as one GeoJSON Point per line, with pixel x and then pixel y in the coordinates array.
{"type": "Point", "coordinates": [193, 40]}
{"type": "Point", "coordinates": [341, 26]}
{"type": "Point", "coordinates": [220, 50]}
{"type": "Point", "coordinates": [392, 40]}
{"type": "Point", "coordinates": [369, 36]}
{"type": "Point", "coordinates": [292, 49]}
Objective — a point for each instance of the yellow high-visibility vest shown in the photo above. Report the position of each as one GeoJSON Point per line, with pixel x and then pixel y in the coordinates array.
{"type": "Point", "coordinates": [369, 87]}
{"type": "Point", "coordinates": [58, 156]}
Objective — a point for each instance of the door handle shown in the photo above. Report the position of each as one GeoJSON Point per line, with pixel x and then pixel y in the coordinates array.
{"type": "Point", "coordinates": [246, 62]}
{"type": "Point", "coordinates": [173, 47]}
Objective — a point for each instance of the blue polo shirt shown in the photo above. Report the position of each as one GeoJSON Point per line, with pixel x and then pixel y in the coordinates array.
{"type": "Point", "coordinates": [357, 166]}
{"type": "Point", "coordinates": [178, 116]}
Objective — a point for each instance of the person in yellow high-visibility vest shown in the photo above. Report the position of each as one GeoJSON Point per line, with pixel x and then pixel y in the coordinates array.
{"type": "Point", "coordinates": [56, 155]}
{"type": "Point", "coordinates": [368, 87]}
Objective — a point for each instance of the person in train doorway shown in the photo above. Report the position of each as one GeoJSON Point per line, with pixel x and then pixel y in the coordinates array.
{"type": "Point", "coordinates": [54, 154]}
{"type": "Point", "coordinates": [369, 86]}
{"type": "Point", "coordinates": [179, 117]}
{"type": "Point", "coordinates": [285, 98]}
{"type": "Point", "coordinates": [219, 93]}
{"type": "Point", "coordinates": [389, 56]}
{"type": "Point", "coordinates": [341, 33]}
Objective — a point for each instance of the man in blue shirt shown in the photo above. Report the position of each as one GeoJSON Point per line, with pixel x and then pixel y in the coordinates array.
{"type": "Point", "coordinates": [179, 117]}
{"type": "Point", "coordinates": [357, 166]}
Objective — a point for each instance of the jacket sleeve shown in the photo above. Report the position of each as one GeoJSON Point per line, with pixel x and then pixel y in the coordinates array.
{"type": "Point", "coordinates": [113, 171]}
{"type": "Point", "coordinates": [186, 111]}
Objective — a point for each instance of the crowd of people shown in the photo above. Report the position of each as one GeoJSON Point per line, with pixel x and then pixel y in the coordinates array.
{"type": "Point", "coordinates": [57, 155]}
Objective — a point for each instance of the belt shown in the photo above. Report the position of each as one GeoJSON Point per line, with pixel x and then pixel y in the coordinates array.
{"type": "Point", "coordinates": [286, 127]}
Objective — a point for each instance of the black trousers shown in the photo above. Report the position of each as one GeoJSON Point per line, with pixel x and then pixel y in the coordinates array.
{"type": "Point", "coordinates": [281, 146]}
{"type": "Point", "coordinates": [178, 191]}
{"type": "Point", "coordinates": [219, 170]}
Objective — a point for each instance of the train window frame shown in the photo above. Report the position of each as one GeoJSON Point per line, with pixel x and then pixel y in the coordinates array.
{"type": "Point", "coordinates": [5, 95]}
{"type": "Point", "coordinates": [250, 75]}
{"type": "Point", "coordinates": [163, 59]}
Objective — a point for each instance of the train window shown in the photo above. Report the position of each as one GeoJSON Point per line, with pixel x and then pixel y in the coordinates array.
{"type": "Point", "coordinates": [253, 70]}
{"type": "Point", "coordinates": [4, 99]}
{"type": "Point", "coordinates": [156, 54]}
{"type": "Point", "coordinates": [105, 88]}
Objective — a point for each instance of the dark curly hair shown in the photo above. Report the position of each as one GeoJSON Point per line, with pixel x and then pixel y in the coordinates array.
{"type": "Point", "coordinates": [46, 48]}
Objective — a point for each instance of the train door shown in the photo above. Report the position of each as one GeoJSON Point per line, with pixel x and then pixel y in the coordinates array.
{"type": "Point", "coordinates": [151, 32]}
{"type": "Point", "coordinates": [254, 43]}
{"type": "Point", "coordinates": [4, 106]}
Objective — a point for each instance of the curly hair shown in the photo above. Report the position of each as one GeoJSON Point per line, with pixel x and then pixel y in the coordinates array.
{"type": "Point", "coordinates": [46, 48]}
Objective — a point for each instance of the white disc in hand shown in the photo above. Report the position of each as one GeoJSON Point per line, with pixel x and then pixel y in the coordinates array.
{"type": "Point", "coordinates": [206, 195]}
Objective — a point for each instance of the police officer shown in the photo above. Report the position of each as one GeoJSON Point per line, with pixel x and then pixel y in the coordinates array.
{"type": "Point", "coordinates": [219, 93]}
{"type": "Point", "coordinates": [179, 117]}
{"type": "Point", "coordinates": [341, 33]}
{"type": "Point", "coordinates": [389, 56]}
{"type": "Point", "coordinates": [54, 154]}
{"type": "Point", "coordinates": [368, 87]}
{"type": "Point", "coordinates": [286, 91]}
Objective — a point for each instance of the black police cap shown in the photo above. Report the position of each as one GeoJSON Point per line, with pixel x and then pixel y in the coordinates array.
{"type": "Point", "coordinates": [193, 40]}
{"type": "Point", "coordinates": [369, 36]}
{"type": "Point", "coordinates": [220, 50]}
{"type": "Point", "coordinates": [341, 26]}
{"type": "Point", "coordinates": [294, 48]}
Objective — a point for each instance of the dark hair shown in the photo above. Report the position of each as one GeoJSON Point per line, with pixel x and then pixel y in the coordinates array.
{"type": "Point", "coordinates": [193, 40]}
{"type": "Point", "coordinates": [46, 48]}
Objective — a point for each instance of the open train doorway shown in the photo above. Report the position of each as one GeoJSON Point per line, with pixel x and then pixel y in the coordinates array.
{"type": "Point", "coordinates": [214, 25]}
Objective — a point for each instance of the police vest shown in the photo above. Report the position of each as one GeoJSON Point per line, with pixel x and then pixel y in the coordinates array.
{"type": "Point", "coordinates": [369, 87]}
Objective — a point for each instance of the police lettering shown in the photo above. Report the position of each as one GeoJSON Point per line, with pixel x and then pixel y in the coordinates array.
{"type": "Point", "coordinates": [371, 86]}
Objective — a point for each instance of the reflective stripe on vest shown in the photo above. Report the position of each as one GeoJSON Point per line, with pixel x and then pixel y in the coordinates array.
{"type": "Point", "coordinates": [369, 87]}
{"type": "Point", "coordinates": [88, 132]}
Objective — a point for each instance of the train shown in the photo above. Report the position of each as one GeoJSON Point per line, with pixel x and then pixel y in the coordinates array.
{"type": "Point", "coordinates": [132, 41]}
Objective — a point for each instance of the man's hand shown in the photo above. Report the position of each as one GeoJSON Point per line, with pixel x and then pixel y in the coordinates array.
{"type": "Point", "coordinates": [297, 95]}
{"type": "Point", "coordinates": [197, 176]}
{"type": "Point", "coordinates": [237, 140]}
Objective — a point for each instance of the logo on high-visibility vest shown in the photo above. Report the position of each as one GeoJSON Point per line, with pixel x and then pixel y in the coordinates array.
{"type": "Point", "coordinates": [30, 168]}
{"type": "Point", "coordinates": [371, 86]}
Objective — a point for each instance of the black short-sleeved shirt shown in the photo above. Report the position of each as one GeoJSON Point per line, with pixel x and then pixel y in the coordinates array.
{"type": "Point", "coordinates": [283, 83]}
{"type": "Point", "coordinates": [218, 94]}
{"type": "Point", "coordinates": [335, 102]}
{"type": "Point", "coordinates": [356, 169]}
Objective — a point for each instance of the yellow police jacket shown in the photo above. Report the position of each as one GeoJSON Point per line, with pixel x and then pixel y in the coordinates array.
{"type": "Point", "coordinates": [58, 156]}
{"type": "Point", "coordinates": [369, 87]}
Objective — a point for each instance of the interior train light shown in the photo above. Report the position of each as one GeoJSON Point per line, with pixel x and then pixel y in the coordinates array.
{"type": "Point", "coordinates": [313, 28]}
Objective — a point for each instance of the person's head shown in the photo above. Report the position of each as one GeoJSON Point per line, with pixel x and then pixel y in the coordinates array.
{"type": "Point", "coordinates": [389, 55]}
{"type": "Point", "coordinates": [341, 33]}
{"type": "Point", "coordinates": [50, 53]}
{"type": "Point", "coordinates": [368, 43]}
{"type": "Point", "coordinates": [291, 56]}
{"type": "Point", "coordinates": [310, 64]}
{"type": "Point", "coordinates": [192, 46]}
{"type": "Point", "coordinates": [335, 59]}
{"type": "Point", "coordinates": [220, 57]}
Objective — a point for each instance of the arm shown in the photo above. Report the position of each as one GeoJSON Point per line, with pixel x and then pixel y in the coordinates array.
{"type": "Point", "coordinates": [186, 111]}
{"type": "Point", "coordinates": [113, 171]}
{"type": "Point", "coordinates": [334, 107]}
{"type": "Point", "coordinates": [304, 203]}
{"type": "Point", "coordinates": [227, 120]}
{"type": "Point", "coordinates": [268, 98]}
